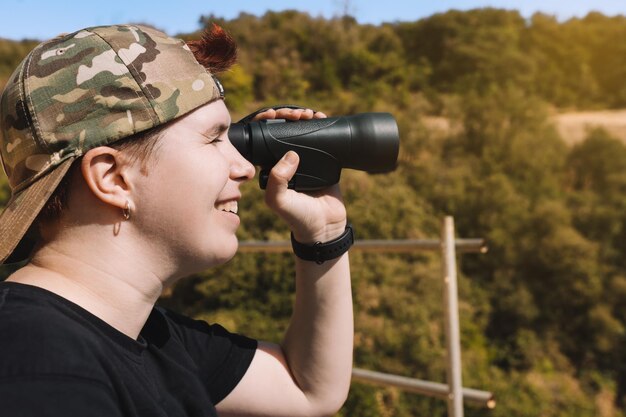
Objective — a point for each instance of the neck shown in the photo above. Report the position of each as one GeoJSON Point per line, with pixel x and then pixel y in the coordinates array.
{"type": "Point", "coordinates": [120, 292]}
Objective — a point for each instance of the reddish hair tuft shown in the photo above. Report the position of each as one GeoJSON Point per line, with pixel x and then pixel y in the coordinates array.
{"type": "Point", "coordinates": [216, 50]}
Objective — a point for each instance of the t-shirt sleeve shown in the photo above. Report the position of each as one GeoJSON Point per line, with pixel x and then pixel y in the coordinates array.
{"type": "Point", "coordinates": [222, 357]}
{"type": "Point", "coordinates": [49, 396]}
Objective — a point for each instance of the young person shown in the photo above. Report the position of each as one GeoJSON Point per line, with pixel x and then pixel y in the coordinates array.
{"type": "Point", "coordinates": [115, 143]}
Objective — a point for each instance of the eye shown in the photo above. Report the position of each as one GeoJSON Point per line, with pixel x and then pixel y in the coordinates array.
{"type": "Point", "coordinates": [211, 140]}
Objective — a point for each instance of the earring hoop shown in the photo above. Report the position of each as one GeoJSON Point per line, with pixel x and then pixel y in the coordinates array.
{"type": "Point", "coordinates": [126, 211]}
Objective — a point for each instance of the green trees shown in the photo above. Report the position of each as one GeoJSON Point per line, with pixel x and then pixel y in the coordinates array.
{"type": "Point", "coordinates": [460, 47]}
{"type": "Point", "coordinates": [11, 53]}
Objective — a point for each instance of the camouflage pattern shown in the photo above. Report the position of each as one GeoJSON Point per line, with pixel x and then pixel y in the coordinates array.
{"type": "Point", "coordinates": [91, 88]}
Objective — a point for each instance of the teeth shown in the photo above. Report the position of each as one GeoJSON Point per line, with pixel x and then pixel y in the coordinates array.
{"type": "Point", "coordinates": [230, 206]}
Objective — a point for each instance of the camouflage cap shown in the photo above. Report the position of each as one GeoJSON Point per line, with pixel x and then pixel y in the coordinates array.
{"type": "Point", "coordinates": [83, 90]}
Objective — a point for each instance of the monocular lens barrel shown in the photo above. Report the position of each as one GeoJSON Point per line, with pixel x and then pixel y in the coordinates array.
{"type": "Point", "coordinates": [375, 142]}
{"type": "Point", "coordinates": [366, 142]}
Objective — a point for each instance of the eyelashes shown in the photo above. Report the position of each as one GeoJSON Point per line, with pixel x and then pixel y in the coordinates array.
{"type": "Point", "coordinates": [210, 140]}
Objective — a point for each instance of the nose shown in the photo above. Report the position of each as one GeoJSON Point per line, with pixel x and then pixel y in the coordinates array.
{"type": "Point", "coordinates": [240, 168]}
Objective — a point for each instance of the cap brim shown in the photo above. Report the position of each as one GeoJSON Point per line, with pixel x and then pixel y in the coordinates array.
{"type": "Point", "coordinates": [22, 210]}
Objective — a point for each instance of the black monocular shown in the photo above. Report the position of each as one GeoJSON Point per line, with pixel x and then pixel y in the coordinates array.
{"type": "Point", "coordinates": [366, 142]}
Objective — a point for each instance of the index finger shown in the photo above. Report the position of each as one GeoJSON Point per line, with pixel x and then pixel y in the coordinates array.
{"type": "Point", "coordinates": [267, 114]}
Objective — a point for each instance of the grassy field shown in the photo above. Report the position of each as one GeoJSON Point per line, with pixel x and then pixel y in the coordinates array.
{"type": "Point", "coordinates": [573, 127]}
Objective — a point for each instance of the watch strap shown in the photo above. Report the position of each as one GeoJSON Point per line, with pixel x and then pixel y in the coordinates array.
{"type": "Point", "coordinates": [319, 252]}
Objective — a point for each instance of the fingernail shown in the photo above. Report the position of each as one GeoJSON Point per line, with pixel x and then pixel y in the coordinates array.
{"type": "Point", "coordinates": [290, 157]}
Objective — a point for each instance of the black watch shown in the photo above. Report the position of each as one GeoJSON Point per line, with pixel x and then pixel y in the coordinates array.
{"type": "Point", "coordinates": [320, 252]}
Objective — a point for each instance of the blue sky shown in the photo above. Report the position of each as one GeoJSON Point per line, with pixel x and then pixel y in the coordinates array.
{"type": "Point", "coordinates": [41, 19]}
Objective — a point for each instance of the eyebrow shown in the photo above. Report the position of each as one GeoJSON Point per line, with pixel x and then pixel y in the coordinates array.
{"type": "Point", "coordinates": [218, 129]}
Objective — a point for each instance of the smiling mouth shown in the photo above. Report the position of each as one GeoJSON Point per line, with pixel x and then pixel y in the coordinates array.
{"type": "Point", "coordinates": [229, 207]}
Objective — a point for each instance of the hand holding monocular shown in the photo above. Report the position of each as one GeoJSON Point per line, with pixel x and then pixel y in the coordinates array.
{"type": "Point", "coordinates": [365, 142]}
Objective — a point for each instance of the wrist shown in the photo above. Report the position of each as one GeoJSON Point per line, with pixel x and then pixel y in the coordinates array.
{"type": "Point", "coordinates": [326, 234]}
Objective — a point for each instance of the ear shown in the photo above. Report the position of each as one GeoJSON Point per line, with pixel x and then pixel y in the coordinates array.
{"type": "Point", "coordinates": [103, 169]}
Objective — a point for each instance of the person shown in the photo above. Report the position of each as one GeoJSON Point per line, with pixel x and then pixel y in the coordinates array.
{"type": "Point", "coordinates": [115, 143]}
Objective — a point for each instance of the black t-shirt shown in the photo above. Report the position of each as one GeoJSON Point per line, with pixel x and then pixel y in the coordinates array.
{"type": "Point", "coordinates": [57, 359]}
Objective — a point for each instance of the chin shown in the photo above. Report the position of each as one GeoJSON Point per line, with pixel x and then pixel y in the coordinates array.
{"type": "Point", "coordinates": [208, 253]}
{"type": "Point", "coordinates": [223, 258]}
{"type": "Point", "coordinates": [223, 253]}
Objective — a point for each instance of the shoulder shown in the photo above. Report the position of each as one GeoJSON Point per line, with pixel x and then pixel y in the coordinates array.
{"type": "Point", "coordinates": [222, 358]}
{"type": "Point", "coordinates": [192, 332]}
{"type": "Point", "coordinates": [44, 335]}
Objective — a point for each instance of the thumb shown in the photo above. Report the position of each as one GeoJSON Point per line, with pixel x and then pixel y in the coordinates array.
{"type": "Point", "coordinates": [284, 170]}
{"type": "Point", "coordinates": [280, 175]}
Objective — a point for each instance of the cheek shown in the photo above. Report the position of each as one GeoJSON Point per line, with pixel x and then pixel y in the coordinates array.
{"type": "Point", "coordinates": [206, 177]}
{"type": "Point", "coordinates": [200, 177]}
